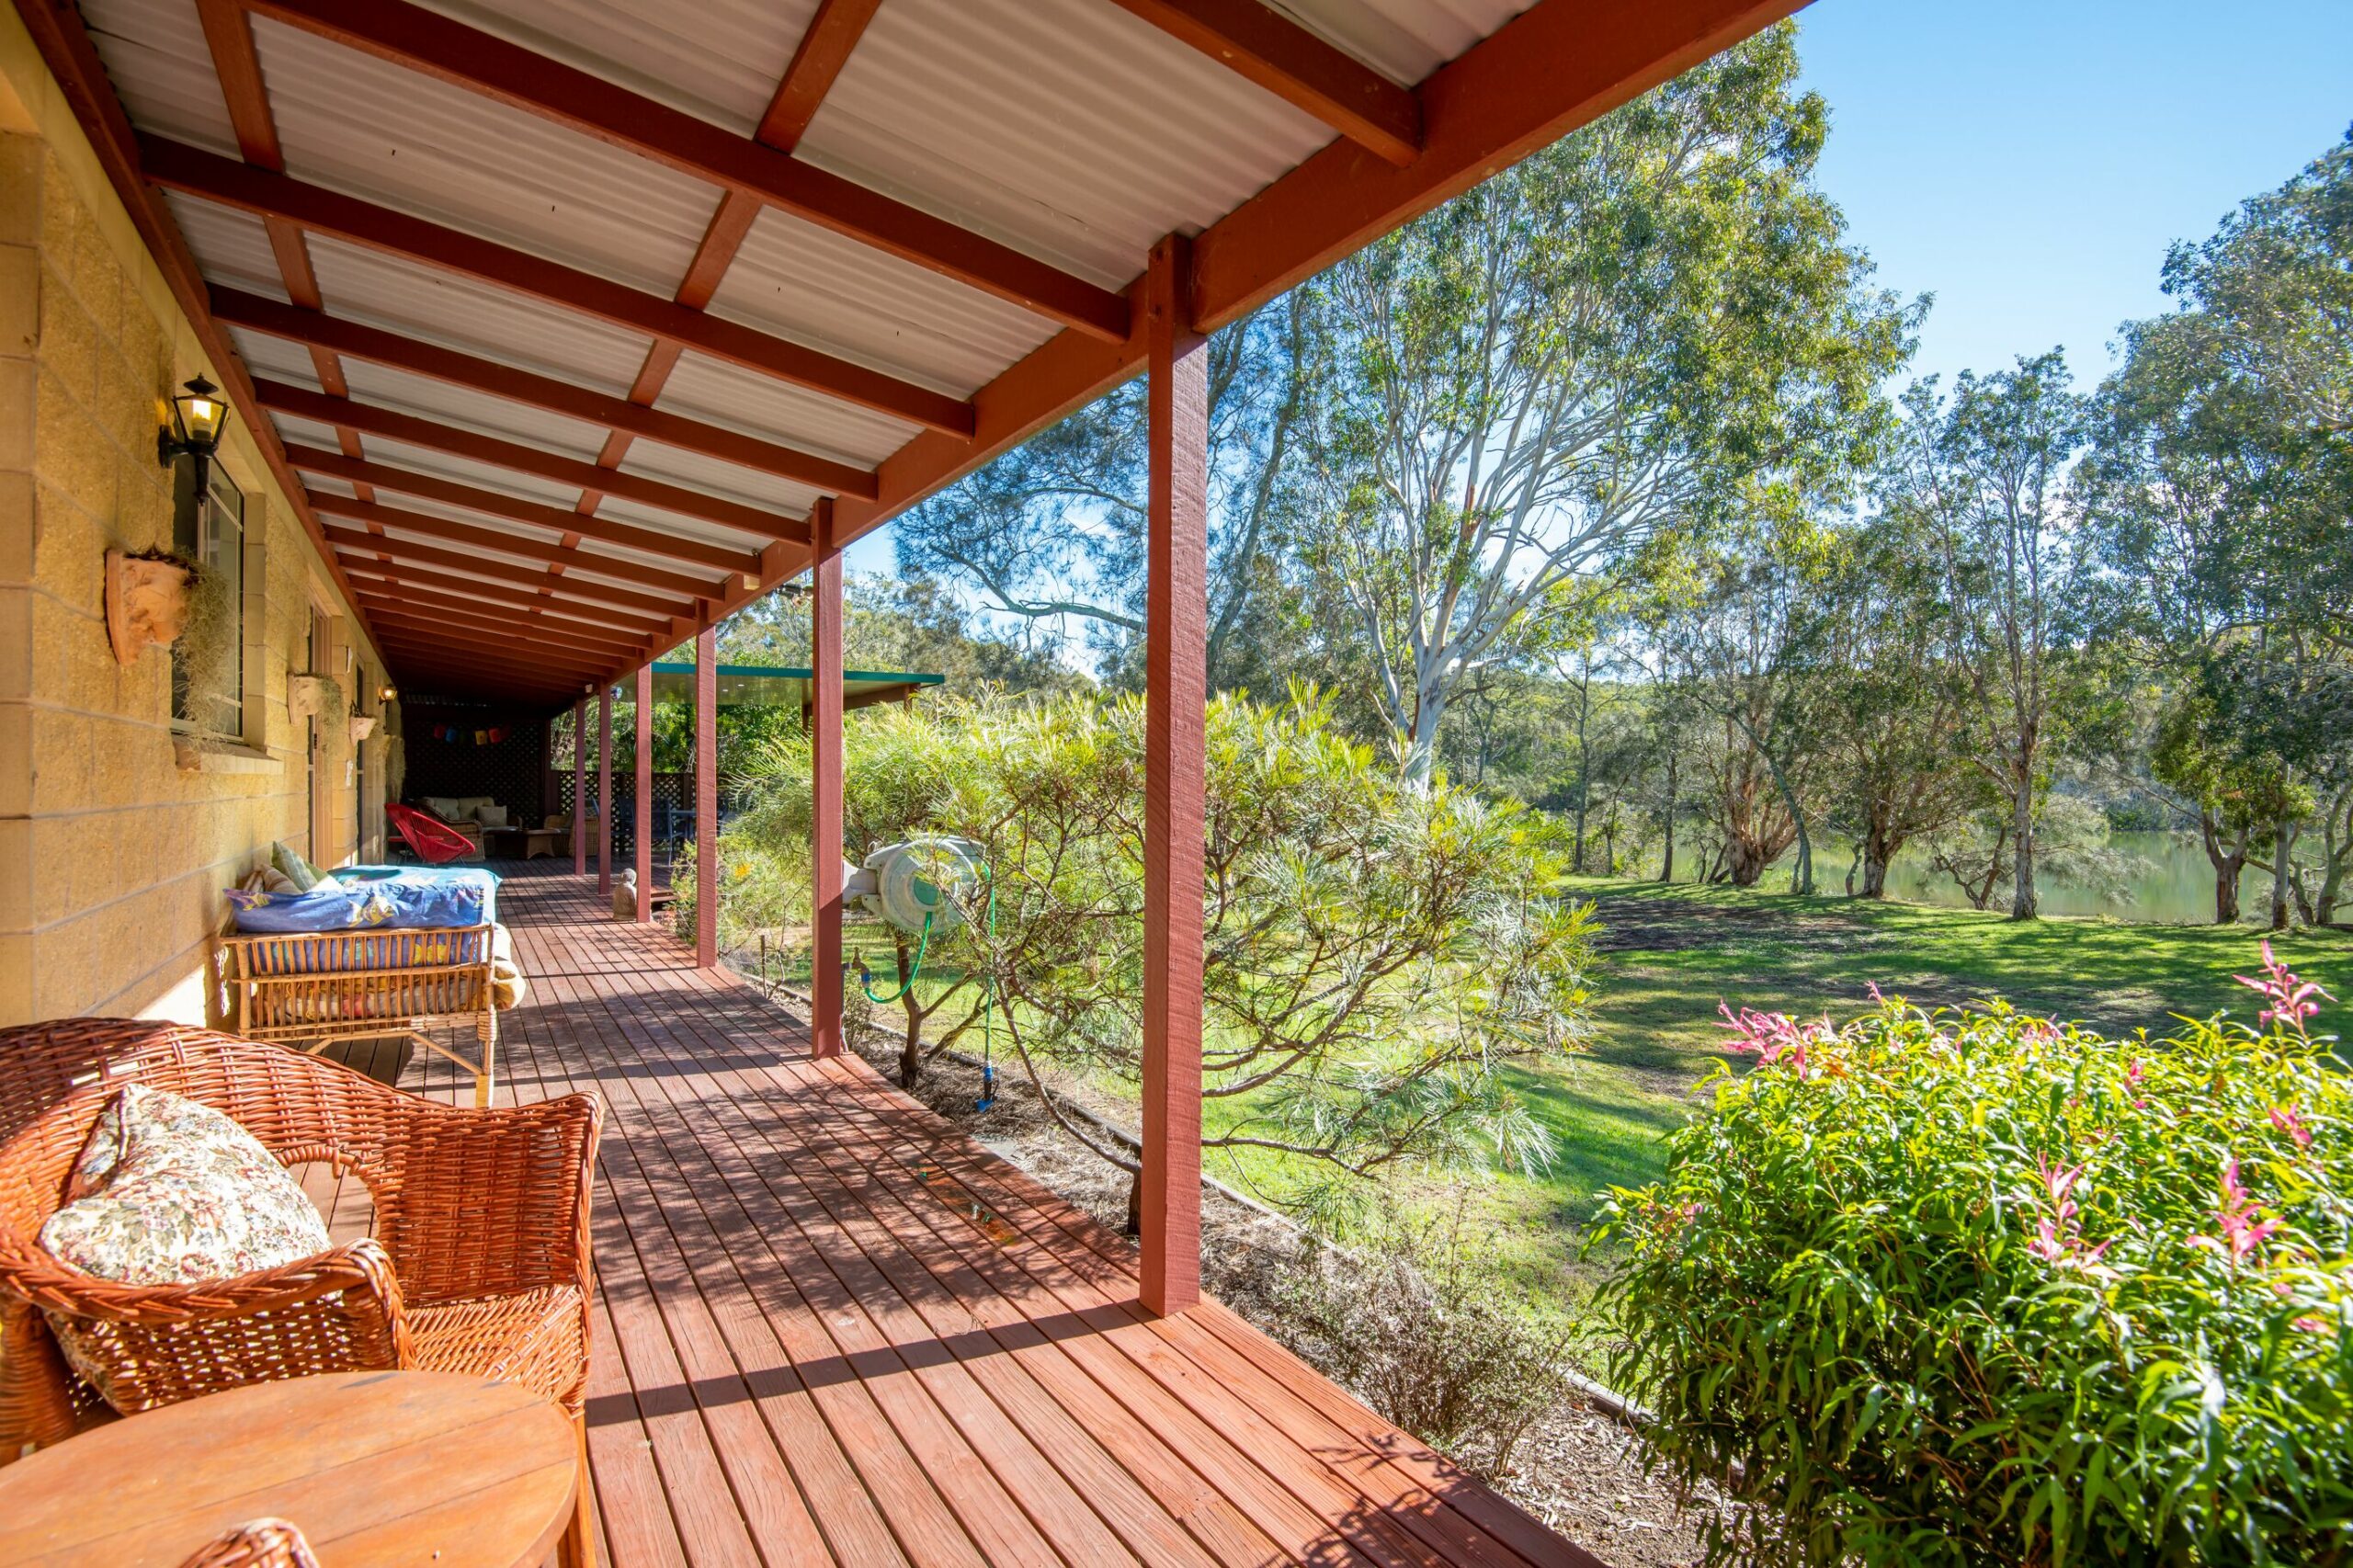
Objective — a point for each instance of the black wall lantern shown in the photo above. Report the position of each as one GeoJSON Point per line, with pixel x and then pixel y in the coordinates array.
{"type": "Point", "coordinates": [199, 415]}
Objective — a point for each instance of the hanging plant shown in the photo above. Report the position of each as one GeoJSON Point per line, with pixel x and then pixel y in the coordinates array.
{"type": "Point", "coordinates": [149, 599]}
{"type": "Point", "coordinates": [313, 695]}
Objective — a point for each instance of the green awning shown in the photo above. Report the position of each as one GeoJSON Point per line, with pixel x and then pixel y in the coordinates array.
{"type": "Point", "coordinates": [776, 686]}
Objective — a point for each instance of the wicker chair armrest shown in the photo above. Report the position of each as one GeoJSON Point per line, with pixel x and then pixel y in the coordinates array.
{"type": "Point", "coordinates": [487, 1202]}
{"type": "Point", "coordinates": [31, 1275]}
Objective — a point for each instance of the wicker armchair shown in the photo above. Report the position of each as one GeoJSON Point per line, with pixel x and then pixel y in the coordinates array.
{"type": "Point", "coordinates": [479, 1262]}
{"type": "Point", "coordinates": [264, 1543]}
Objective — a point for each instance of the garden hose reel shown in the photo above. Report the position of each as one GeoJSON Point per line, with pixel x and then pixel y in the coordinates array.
{"type": "Point", "coordinates": [923, 887]}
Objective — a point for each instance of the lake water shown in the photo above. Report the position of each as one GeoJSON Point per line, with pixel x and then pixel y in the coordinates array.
{"type": "Point", "coordinates": [2171, 882]}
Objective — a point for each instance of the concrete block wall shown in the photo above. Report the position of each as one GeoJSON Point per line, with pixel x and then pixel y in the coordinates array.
{"type": "Point", "coordinates": [117, 835]}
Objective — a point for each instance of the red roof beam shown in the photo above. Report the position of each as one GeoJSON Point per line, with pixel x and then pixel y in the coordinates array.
{"type": "Point", "coordinates": [176, 165]}
{"type": "Point", "coordinates": [363, 553]}
{"type": "Point", "coordinates": [570, 616]}
{"type": "Point", "coordinates": [554, 467]}
{"type": "Point", "coordinates": [534, 574]}
{"type": "Point", "coordinates": [668, 589]}
{"type": "Point", "coordinates": [431, 604]}
{"type": "Point", "coordinates": [1312, 76]}
{"type": "Point", "coordinates": [316, 329]}
{"type": "Point", "coordinates": [486, 64]}
{"type": "Point", "coordinates": [736, 562]}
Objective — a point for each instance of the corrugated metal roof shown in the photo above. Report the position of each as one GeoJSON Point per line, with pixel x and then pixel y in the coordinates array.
{"type": "Point", "coordinates": [458, 313]}
{"type": "Point", "coordinates": [359, 124]}
{"type": "Point", "coordinates": [465, 471]}
{"type": "Point", "coordinates": [1067, 128]}
{"type": "Point", "coordinates": [715, 477]}
{"type": "Point", "coordinates": [746, 401]}
{"type": "Point", "coordinates": [233, 247]}
{"type": "Point", "coordinates": [1403, 39]}
{"type": "Point", "coordinates": [474, 411]}
{"type": "Point", "coordinates": [719, 60]}
{"type": "Point", "coordinates": [156, 57]}
{"type": "Point", "coordinates": [814, 286]}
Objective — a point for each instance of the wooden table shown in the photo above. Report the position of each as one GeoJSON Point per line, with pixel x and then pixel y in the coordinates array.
{"type": "Point", "coordinates": [375, 1467]}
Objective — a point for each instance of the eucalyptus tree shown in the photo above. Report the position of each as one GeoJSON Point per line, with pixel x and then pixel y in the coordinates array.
{"type": "Point", "coordinates": [1534, 385]}
{"type": "Point", "coordinates": [1052, 533]}
{"type": "Point", "coordinates": [1889, 684]}
{"type": "Point", "coordinates": [2221, 491]}
{"type": "Point", "coordinates": [1742, 634]}
{"type": "Point", "coordinates": [1981, 475]}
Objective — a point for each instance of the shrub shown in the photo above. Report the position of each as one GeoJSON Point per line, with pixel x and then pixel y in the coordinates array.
{"type": "Point", "coordinates": [1970, 1288]}
{"type": "Point", "coordinates": [1414, 1326]}
{"type": "Point", "coordinates": [1376, 952]}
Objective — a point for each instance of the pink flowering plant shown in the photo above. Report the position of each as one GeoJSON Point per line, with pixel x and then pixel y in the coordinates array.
{"type": "Point", "coordinates": [1972, 1287]}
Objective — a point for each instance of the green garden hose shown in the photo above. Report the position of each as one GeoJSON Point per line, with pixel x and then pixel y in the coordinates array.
{"type": "Point", "coordinates": [988, 1004]}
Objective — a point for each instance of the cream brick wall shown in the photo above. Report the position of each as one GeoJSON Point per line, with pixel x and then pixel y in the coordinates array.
{"type": "Point", "coordinates": [117, 840]}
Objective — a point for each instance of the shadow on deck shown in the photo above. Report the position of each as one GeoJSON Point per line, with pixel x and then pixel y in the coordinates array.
{"type": "Point", "coordinates": [834, 1329]}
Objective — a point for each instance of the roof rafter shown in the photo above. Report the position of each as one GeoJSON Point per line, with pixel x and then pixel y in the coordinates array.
{"type": "Point", "coordinates": [486, 64]}
{"type": "Point", "coordinates": [493, 504]}
{"type": "Point", "coordinates": [410, 556]}
{"type": "Point", "coordinates": [191, 170]}
{"type": "Point", "coordinates": [673, 588]}
{"type": "Point", "coordinates": [504, 605]}
{"type": "Point", "coordinates": [1315, 78]}
{"type": "Point", "coordinates": [433, 608]}
{"type": "Point", "coordinates": [360, 561]}
{"type": "Point", "coordinates": [498, 452]}
{"type": "Point", "coordinates": [316, 329]}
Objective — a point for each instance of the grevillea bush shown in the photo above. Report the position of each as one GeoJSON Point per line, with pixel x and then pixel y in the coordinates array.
{"type": "Point", "coordinates": [1974, 1288]}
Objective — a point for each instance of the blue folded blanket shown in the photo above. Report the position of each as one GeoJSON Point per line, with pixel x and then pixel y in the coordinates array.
{"type": "Point", "coordinates": [374, 898]}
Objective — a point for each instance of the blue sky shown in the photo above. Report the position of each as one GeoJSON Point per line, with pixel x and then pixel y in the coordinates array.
{"type": "Point", "coordinates": [2028, 160]}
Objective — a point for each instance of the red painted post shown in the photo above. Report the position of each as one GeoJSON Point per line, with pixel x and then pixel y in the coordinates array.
{"type": "Point", "coordinates": [826, 787]}
{"type": "Point", "coordinates": [1175, 693]}
{"type": "Point", "coordinates": [605, 792]}
{"type": "Point", "coordinates": [580, 787]}
{"type": "Point", "coordinates": [707, 874]}
{"type": "Point", "coordinates": [642, 836]}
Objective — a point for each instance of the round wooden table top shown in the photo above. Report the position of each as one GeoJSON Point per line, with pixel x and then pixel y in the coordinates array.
{"type": "Point", "coordinates": [374, 1468]}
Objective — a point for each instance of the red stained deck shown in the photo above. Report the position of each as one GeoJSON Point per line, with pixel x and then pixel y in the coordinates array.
{"type": "Point", "coordinates": [835, 1329]}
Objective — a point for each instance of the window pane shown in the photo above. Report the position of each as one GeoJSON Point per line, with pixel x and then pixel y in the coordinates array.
{"type": "Point", "coordinates": [208, 662]}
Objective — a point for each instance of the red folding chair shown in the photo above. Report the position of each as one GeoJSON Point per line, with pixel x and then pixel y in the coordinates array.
{"type": "Point", "coordinates": [434, 841]}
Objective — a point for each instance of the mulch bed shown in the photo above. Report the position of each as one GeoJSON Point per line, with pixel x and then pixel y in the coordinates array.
{"type": "Point", "coordinates": [1578, 1469]}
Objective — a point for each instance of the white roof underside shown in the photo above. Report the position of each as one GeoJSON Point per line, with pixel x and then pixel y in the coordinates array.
{"type": "Point", "coordinates": [1067, 129]}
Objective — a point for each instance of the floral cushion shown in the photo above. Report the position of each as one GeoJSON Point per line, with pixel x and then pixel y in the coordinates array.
{"type": "Point", "coordinates": [168, 1191]}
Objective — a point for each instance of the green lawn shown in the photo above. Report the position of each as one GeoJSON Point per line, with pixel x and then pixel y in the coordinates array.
{"type": "Point", "coordinates": [1670, 956]}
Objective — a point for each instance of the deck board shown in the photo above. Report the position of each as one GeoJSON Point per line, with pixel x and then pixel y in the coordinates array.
{"type": "Point", "coordinates": [830, 1327]}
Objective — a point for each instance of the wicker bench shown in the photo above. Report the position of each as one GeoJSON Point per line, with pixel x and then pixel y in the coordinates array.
{"type": "Point", "coordinates": [322, 986]}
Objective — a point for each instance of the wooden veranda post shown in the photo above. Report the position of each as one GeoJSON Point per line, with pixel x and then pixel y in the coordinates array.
{"type": "Point", "coordinates": [605, 791]}
{"type": "Point", "coordinates": [826, 787]}
{"type": "Point", "coordinates": [706, 873]}
{"type": "Point", "coordinates": [642, 836]}
{"type": "Point", "coordinates": [1176, 691]}
{"type": "Point", "coordinates": [580, 787]}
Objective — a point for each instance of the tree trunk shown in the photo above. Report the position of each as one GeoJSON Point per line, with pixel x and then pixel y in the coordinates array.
{"type": "Point", "coordinates": [1744, 861]}
{"type": "Point", "coordinates": [911, 1048]}
{"type": "Point", "coordinates": [1876, 856]}
{"type": "Point", "coordinates": [2283, 844]}
{"type": "Point", "coordinates": [1134, 1226]}
{"type": "Point", "coordinates": [2023, 901]}
{"type": "Point", "coordinates": [2227, 866]}
{"type": "Point", "coordinates": [1421, 750]}
{"type": "Point", "coordinates": [1584, 757]}
{"type": "Point", "coordinates": [1666, 867]}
